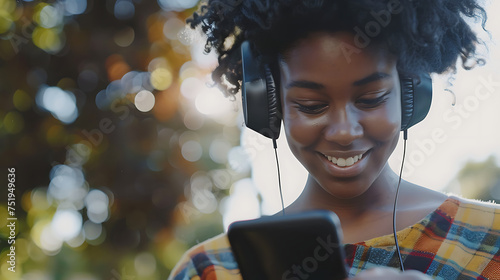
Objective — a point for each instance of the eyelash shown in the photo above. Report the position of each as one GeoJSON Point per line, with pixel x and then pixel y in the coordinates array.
{"type": "Point", "coordinates": [372, 103]}
{"type": "Point", "coordinates": [312, 109]}
{"type": "Point", "coordinates": [367, 103]}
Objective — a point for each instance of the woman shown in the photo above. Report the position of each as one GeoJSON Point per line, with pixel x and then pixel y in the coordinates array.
{"type": "Point", "coordinates": [338, 68]}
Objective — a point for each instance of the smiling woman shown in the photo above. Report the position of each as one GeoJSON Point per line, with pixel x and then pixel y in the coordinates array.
{"type": "Point", "coordinates": [342, 110]}
{"type": "Point", "coordinates": [345, 79]}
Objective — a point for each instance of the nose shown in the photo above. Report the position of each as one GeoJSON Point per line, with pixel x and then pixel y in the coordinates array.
{"type": "Point", "coordinates": [343, 126]}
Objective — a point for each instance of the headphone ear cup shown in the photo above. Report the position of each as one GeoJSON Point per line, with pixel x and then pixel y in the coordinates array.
{"type": "Point", "coordinates": [416, 97]}
{"type": "Point", "coordinates": [260, 95]}
{"type": "Point", "coordinates": [406, 101]}
{"type": "Point", "coordinates": [274, 104]}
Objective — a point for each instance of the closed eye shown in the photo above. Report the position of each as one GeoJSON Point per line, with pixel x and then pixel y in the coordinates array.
{"type": "Point", "coordinates": [373, 102]}
{"type": "Point", "coordinates": [311, 109]}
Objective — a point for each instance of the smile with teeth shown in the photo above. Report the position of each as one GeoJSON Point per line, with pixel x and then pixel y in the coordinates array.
{"type": "Point", "coordinates": [344, 162]}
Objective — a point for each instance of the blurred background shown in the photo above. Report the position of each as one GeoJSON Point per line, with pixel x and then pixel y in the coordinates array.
{"type": "Point", "coordinates": [125, 156]}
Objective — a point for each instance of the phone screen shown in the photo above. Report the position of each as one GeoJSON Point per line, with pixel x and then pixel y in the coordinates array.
{"type": "Point", "coordinates": [291, 247]}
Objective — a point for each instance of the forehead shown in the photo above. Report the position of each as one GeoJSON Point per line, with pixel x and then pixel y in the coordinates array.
{"type": "Point", "coordinates": [335, 55]}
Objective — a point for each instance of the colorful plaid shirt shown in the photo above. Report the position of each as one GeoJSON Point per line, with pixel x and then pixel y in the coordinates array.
{"type": "Point", "coordinates": [459, 240]}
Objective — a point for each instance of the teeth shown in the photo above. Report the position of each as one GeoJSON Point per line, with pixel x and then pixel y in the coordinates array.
{"type": "Point", "coordinates": [342, 162]}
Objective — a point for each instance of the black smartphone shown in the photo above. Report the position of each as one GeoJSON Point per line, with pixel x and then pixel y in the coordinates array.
{"type": "Point", "coordinates": [291, 247]}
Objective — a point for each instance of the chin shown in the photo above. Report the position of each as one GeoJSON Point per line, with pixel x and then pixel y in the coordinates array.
{"type": "Point", "coordinates": [346, 189]}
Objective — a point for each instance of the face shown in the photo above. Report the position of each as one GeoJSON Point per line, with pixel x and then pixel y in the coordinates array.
{"type": "Point", "coordinates": [341, 111]}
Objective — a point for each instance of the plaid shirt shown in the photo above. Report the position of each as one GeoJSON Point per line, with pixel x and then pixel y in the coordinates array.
{"type": "Point", "coordinates": [459, 240]}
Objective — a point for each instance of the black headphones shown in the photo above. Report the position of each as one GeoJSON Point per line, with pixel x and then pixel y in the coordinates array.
{"type": "Point", "coordinates": [261, 105]}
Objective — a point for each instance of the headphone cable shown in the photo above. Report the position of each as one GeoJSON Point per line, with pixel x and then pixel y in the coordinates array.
{"type": "Point", "coordinates": [275, 145]}
{"type": "Point", "coordinates": [405, 137]}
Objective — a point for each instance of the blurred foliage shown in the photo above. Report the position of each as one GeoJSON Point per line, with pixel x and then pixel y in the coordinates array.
{"type": "Point", "coordinates": [117, 171]}
{"type": "Point", "coordinates": [479, 180]}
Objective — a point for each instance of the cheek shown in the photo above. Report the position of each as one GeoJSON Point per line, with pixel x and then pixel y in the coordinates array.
{"type": "Point", "coordinates": [300, 132]}
{"type": "Point", "coordinates": [385, 124]}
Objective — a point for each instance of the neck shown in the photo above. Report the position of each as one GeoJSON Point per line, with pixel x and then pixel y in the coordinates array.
{"type": "Point", "coordinates": [379, 198]}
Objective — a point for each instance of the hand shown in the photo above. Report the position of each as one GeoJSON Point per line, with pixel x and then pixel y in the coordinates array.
{"type": "Point", "coordinates": [387, 273]}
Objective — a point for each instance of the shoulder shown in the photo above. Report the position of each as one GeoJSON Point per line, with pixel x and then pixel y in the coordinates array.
{"type": "Point", "coordinates": [490, 205]}
{"type": "Point", "coordinates": [475, 213]}
{"type": "Point", "coordinates": [469, 231]}
{"type": "Point", "coordinates": [212, 257]}
{"type": "Point", "coordinates": [472, 207]}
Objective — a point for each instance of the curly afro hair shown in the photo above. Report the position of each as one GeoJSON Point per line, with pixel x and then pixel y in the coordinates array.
{"type": "Point", "coordinates": [425, 35]}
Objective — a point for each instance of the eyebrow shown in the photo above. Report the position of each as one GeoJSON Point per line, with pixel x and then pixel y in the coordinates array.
{"type": "Point", "coordinates": [372, 78]}
{"type": "Point", "coordinates": [305, 84]}
{"type": "Point", "coordinates": [316, 86]}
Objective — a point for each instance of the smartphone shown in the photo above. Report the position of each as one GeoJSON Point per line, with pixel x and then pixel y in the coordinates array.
{"type": "Point", "coordinates": [291, 247]}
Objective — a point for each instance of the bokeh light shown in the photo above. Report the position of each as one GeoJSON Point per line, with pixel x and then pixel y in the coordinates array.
{"type": "Point", "coordinates": [75, 7]}
{"type": "Point", "coordinates": [172, 28]}
{"type": "Point", "coordinates": [67, 223]}
{"type": "Point", "coordinates": [65, 183]}
{"type": "Point", "coordinates": [132, 81]}
{"type": "Point", "coordinates": [116, 67]}
{"type": "Point", "coordinates": [144, 101]}
{"type": "Point", "coordinates": [192, 151]}
{"type": "Point", "coordinates": [6, 22]}
{"type": "Point", "coordinates": [177, 5]}
{"type": "Point", "coordinates": [45, 238]}
{"type": "Point", "coordinates": [8, 5]}
{"type": "Point", "coordinates": [97, 203]}
{"type": "Point", "coordinates": [161, 78]}
{"type": "Point", "coordinates": [48, 39]}
{"type": "Point", "coordinates": [77, 241]}
{"type": "Point", "coordinates": [201, 193]}
{"type": "Point", "coordinates": [92, 230]}
{"type": "Point", "coordinates": [39, 200]}
{"type": "Point", "coordinates": [124, 9]}
{"type": "Point", "coordinates": [22, 101]}
{"type": "Point", "coordinates": [13, 122]}
{"type": "Point", "coordinates": [47, 16]}
{"type": "Point", "coordinates": [193, 120]}
{"type": "Point", "coordinates": [60, 103]}
{"type": "Point", "coordinates": [191, 87]}
{"type": "Point", "coordinates": [219, 149]}
{"type": "Point", "coordinates": [124, 37]}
